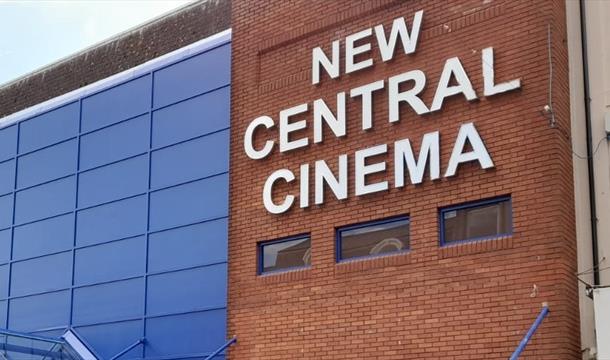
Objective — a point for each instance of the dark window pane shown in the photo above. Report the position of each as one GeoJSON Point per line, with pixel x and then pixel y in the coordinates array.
{"type": "Point", "coordinates": [477, 221]}
{"type": "Point", "coordinates": [374, 239]}
{"type": "Point", "coordinates": [279, 255]}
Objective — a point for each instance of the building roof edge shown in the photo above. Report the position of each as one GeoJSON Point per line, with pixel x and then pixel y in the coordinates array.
{"type": "Point", "coordinates": [134, 72]}
{"type": "Point", "coordinates": [98, 44]}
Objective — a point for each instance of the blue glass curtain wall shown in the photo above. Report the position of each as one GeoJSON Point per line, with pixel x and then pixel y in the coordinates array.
{"type": "Point", "coordinates": [113, 213]}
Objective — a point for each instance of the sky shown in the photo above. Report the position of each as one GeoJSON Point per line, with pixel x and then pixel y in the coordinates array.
{"type": "Point", "coordinates": [36, 33]}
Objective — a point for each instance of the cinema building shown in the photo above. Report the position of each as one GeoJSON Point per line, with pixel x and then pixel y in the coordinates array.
{"type": "Point", "coordinates": [314, 180]}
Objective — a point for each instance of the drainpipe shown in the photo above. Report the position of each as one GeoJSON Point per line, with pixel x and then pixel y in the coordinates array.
{"type": "Point", "coordinates": [591, 170]}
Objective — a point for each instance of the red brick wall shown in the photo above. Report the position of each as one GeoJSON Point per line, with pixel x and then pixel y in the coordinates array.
{"type": "Point", "coordinates": [472, 301]}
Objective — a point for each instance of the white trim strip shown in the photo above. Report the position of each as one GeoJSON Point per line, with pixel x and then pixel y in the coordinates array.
{"type": "Point", "coordinates": [124, 76]}
{"type": "Point", "coordinates": [78, 346]}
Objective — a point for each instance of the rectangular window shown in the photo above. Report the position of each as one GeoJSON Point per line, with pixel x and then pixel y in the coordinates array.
{"type": "Point", "coordinates": [481, 220]}
{"type": "Point", "coordinates": [373, 238]}
{"type": "Point", "coordinates": [284, 254]}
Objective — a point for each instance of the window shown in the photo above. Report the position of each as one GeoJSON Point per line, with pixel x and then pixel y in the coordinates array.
{"type": "Point", "coordinates": [373, 239]}
{"type": "Point", "coordinates": [284, 254]}
{"type": "Point", "coordinates": [482, 220]}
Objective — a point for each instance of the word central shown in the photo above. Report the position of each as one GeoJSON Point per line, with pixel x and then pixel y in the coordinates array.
{"type": "Point", "coordinates": [290, 120]}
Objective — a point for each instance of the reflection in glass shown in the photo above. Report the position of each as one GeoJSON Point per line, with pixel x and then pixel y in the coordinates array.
{"type": "Point", "coordinates": [286, 254]}
{"type": "Point", "coordinates": [378, 238]}
{"type": "Point", "coordinates": [477, 221]}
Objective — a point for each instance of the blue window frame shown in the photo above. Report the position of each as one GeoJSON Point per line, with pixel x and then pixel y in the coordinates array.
{"type": "Point", "coordinates": [486, 219]}
{"type": "Point", "coordinates": [284, 254]}
{"type": "Point", "coordinates": [373, 238]}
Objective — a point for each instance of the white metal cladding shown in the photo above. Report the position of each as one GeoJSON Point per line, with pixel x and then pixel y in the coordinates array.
{"type": "Point", "coordinates": [601, 300]}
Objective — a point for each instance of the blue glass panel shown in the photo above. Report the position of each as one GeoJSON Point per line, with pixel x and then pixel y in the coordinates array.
{"type": "Point", "coordinates": [193, 76]}
{"type": "Point", "coordinates": [46, 273]}
{"type": "Point", "coordinates": [187, 290]}
{"type": "Point", "coordinates": [44, 237]}
{"type": "Point", "coordinates": [197, 116]}
{"type": "Point", "coordinates": [194, 159]}
{"type": "Point", "coordinates": [3, 281]}
{"type": "Point", "coordinates": [109, 302]}
{"type": "Point", "coordinates": [192, 333]}
{"type": "Point", "coordinates": [5, 246]}
{"type": "Point", "coordinates": [7, 176]}
{"type": "Point", "coordinates": [47, 164]}
{"type": "Point", "coordinates": [189, 203]}
{"type": "Point", "coordinates": [115, 142]}
{"type": "Point", "coordinates": [109, 339]}
{"type": "Point", "coordinates": [115, 164]}
{"type": "Point", "coordinates": [115, 104]}
{"type": "Point", "coordinates": [203, 243]}
{"type": "Point", "coordinates": [45, 200]}
{"type": "Point", "coordinates": [115, 181]}
{"type": "Point", "coordinates": [3, 313]}
{"type": "Point", "coordinates": [49, 128]}
{"type": "Point", "coordinates": [112, 221]}
{"type": "Point", "coordinates": [6, 210]}
{"type": "Point", "coordinates": [112, 261]}
{"type": "Point", "coordinates": [40, 312]}
{"type": "Point", "coordinates": [8, 142]}
{"type": "Point", "coordinates": [50, 333]}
